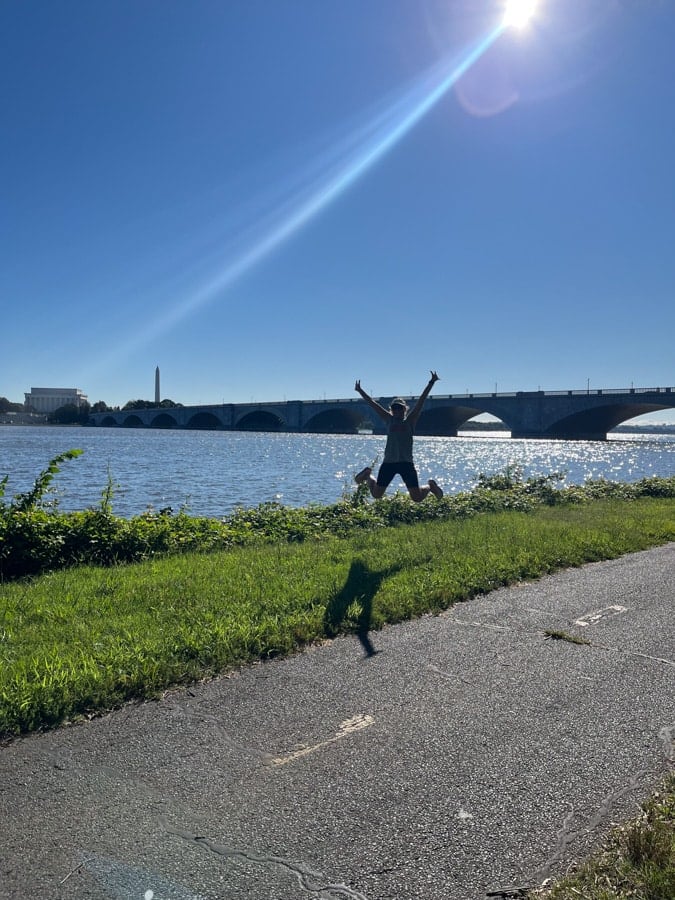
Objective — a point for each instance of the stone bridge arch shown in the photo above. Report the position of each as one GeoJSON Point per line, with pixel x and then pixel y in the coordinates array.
{"type": "Point", "coordinates": [338, 420]}
{"type": "Point", "coordinates": [446, 420]}
{"type": "Point", "coordinates": [133, 421]}
{"type": "Point", "coordinates": [205, 421]}
{"type": "Point", "coordinates": [594, 423]}
{"type": "Point", "coordinates": [260, 420]}
{"type": "Point", "coordinates": [164, 420]}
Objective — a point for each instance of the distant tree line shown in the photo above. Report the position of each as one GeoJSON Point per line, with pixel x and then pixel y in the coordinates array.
{"type": "Point", "coordinates": [7, 406]}
{"type": "Point", "coordinates": [70, 414]}
{"type": "Point", "coordinates": [149, 404]}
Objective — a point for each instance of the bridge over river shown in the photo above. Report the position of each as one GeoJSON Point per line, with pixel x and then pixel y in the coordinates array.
{"type": "Point", "coordinates": [566, 415]}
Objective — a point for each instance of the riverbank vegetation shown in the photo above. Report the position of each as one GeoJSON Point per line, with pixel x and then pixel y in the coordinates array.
{"type": "Point", "coordinates": [119, 609]}
{"type": "Point", "coordinates": [36, 537]}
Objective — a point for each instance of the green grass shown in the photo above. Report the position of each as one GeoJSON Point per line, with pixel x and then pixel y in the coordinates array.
{"type": "Point", "coordinates": [636, 862]}
{"type": "Point", "coordinates": [554, 635]}
{"type": "Point", "coordinates": [83, 640]}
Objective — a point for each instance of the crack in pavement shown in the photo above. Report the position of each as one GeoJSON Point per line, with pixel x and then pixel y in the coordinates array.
{"type": "Point", "coordinates": [304, 875]}
{"type": "Point", "coordinates": [587, 643]}
{"type": "Point", "coordinates": [667, 738]}
{"type": "Point", "coordinates": [125, 882]}
{"type": "Point", "coordinates": [567, 834]}
{"type": "Point", "coordinates": [449, 675]}
{"type": "Point", "coordinates": [200, 716]}
{"type": "Point", "coordinates": [491, 626]}
{"type": "Point", "coordinates": [659, 659]}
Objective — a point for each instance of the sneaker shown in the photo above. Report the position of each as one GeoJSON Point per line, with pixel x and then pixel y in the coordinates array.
{"type": "Point", "coordinates": [435, 489]}
{"type": "Point", "coordinates": [363, 475]}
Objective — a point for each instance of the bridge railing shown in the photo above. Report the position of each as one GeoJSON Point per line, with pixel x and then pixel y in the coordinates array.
{"type": "Point", "coordinates": [579, 393]}
{"type": "Point", "coordinates": [469, 396]}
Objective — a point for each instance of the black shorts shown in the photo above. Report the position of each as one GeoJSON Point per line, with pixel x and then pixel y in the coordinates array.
{"type": "Point", "coordinates": [406, 470]}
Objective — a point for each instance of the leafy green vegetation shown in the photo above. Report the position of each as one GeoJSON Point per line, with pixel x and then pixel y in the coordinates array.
{"type": "Point", "coordinates": [637, 861]}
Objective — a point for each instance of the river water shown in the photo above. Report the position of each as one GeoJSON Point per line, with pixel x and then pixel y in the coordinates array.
{"type": "Point", "coordinates": [212, 472]}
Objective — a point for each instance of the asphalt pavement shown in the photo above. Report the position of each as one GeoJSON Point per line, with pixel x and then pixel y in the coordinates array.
{"type": "Point", "coordinates": [470, 755]}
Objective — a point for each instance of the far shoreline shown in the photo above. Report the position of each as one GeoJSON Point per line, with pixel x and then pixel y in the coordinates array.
{"type": "Point", "coordinates": [476, 427]}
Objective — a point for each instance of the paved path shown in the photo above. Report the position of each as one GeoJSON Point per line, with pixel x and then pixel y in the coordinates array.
{"type": "Point", "coordinates": [469, 755]}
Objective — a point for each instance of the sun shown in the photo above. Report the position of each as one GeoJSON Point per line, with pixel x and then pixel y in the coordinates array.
{"type": "Point", "coordinates": [518, 13]}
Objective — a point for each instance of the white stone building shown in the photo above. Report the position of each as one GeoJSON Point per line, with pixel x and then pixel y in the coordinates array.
{"type": "Point", "coordinates": [46, 400]}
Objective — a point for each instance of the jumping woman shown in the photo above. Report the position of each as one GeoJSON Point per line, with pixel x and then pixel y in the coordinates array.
{"type": "Point", "coordinates": [398, 452]}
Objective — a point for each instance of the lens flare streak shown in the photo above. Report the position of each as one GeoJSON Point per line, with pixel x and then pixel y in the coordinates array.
{"type": "Point", "coordinates": [376, 139]}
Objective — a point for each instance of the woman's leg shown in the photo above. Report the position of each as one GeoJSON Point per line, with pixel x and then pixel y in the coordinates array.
{"type": "Point", "coordinates": [421, 493]}
{"type": "Point", "coordinates": [365, 475]}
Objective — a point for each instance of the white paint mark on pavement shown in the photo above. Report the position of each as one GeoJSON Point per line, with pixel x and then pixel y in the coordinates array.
{"type": "Point", "coordinates": [592, 618]}
{"type": "Point", "coordinates": [356, 723]}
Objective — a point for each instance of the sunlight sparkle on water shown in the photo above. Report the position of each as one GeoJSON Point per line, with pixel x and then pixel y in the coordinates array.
{"type": "Point", "coordinates": [518, 13]}
{"type": "Point", "coordinates": [211, 473]}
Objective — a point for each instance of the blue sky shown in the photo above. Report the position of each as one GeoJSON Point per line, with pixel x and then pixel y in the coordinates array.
{"type": "Point", "coordinates": [271, 198]}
